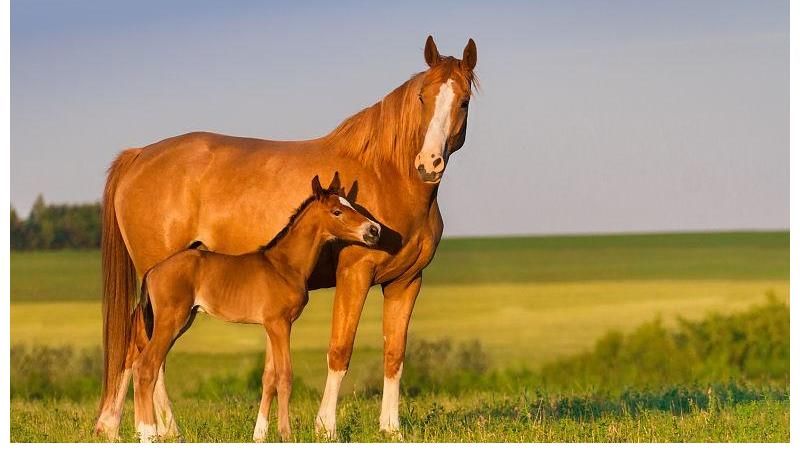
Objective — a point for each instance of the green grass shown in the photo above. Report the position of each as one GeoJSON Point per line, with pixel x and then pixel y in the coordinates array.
{"type": "Point", "coordinates": [531, 303]}
{"type": "Point", "coordinates": [75, 275]}
{"type": "Point", "coordinates": [689, 256]}
{"type": "Point", "coordinates": [477, 417]}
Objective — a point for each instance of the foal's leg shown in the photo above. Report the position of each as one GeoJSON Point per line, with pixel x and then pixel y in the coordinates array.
{"type": "Point", "coordinates": [398, 302]}
{"type": "Point", "coordinates": [352, 286]}
{"type": "Point", "coordinates": [279, 332]}
{"type": "Point", "coordinates": [165, 420]}
{"type": "Point", "coordinates": [167, 327]}
{"type": "Point", "coordinates": [268, 390]}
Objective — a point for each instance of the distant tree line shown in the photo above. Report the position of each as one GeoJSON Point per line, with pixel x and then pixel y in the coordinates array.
{"type": "Point", "coordinates": [56, 226]}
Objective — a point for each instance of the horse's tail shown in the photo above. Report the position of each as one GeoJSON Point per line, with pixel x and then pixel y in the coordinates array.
{"type": "Point", "coordinates": [119, 282]}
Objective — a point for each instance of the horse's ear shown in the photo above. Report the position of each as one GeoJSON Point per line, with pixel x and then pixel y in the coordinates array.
{"type": "Point", "coordinates": [431, 53]}
{"type": "Point", "coordinates": [336, 184]}
{"type": "Point", "coordinates": [470, 58]}
{"type": "Point", "coordinates": [316, 187]}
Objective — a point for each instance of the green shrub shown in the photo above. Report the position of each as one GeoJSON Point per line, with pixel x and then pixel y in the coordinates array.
{"type": "Point", "coordinates": [752, 346]}
{"type": "Point", "coordinates": [55, 372]}
{"type": "Point", "coordinates": [436, 366]}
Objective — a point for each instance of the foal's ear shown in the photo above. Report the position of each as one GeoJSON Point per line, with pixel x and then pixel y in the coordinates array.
{"type": "Point", "coordinates": [470, 58]}
{"type": "Point", "coordinates": [431, 53]}
{"type": "Point", "coordinates": [316, 187]}
{"type": "Point", "coordinates": [336, 184]}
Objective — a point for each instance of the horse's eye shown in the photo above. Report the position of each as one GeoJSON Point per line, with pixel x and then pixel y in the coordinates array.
{"type": "Point", "coordinates": [337, 212]}
{"type": "Point", "coordinates": [464, 104]}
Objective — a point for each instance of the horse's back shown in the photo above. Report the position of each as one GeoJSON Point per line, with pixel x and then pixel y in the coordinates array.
{"type": "Point", "coordinates": [179, 190]}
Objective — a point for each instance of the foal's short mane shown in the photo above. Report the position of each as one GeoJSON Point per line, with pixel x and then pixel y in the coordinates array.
{"type": "Point", "coordinates": [292, 219]}
{"type": "Point", "coordinates": [392, 127]}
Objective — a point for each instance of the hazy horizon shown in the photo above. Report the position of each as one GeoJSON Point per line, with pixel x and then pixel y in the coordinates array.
{"type": "Point", "coordinates": [615, 118]}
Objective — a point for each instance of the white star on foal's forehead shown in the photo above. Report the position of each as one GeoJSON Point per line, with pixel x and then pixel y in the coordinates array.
{"type": "Point", "coordinates": [345, 202]}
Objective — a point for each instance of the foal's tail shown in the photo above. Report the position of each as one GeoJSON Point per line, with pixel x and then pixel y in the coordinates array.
{"type": "Point", "coordinates": [119, 282]}
{"type": "Point", "coordinates": [141, 327]}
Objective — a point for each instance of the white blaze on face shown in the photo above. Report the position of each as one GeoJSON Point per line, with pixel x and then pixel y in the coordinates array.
{"type": "Point", "coordinates": [432, 156]}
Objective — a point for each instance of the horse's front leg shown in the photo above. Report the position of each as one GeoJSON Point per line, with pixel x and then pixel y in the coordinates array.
{"type": "Point", "coordinates": [398, 303]}
{"type": "Point", "coordinates": [268, 391]}
{"type": "Point", "coordinates": [352, 286]}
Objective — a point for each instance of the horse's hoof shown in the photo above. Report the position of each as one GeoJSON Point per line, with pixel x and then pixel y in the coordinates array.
{"type": "Point", "coordinates": [323, 432]}
{"type": "Point", "coordinates": [147, 433]}
{"type": "Point", "coordinates": [392, 434]}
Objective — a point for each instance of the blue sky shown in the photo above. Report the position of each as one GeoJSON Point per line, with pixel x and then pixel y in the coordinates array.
{"type": "Point", "coordinates": [594, 116]}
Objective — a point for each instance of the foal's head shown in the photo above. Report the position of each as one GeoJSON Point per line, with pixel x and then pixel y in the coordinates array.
{"type": "Point", "coordinates": [338, 218]}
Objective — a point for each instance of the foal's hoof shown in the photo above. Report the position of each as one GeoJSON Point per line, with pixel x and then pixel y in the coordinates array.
{"type": "Point", "coordinates": [111, 435]}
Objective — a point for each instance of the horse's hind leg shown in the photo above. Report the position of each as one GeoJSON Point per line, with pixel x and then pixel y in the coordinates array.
{"type": "Point", "coordinates": [112, 415]}
{"type": "Point", "coordinates": [268, 390]}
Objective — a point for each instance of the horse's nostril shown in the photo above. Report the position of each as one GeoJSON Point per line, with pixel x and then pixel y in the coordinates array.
{"type": "Point", "coordinates": [437, 162]}
{"type": "Point", "coordinates": [421, 168]}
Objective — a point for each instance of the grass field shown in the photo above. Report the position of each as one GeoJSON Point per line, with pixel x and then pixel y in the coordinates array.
{"type": "Point", "coordinates": [528, 301]}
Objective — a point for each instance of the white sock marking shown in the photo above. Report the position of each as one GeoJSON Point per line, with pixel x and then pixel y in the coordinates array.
{"type": "Point", "coordinates": [260, 431]}
{"type": "Point", "coordinates": [146, 432]}
{"type": "Point", "coordinates": [326, 417]}
{"type": "Point", "coordinates": [390, 405]}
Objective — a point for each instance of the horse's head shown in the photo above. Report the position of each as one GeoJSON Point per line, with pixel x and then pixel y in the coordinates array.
{"type": "Point", "coordinates": [338, 218]}
{"type": "Point", "coordinates": [444, 98]}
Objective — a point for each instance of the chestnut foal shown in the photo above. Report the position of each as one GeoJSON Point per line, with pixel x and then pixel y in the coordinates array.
{"type": "Point", "coordinates": [267, 287]}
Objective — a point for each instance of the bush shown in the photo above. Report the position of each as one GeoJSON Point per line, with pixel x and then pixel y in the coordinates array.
{"type": "Point", "coordinates": [436, 366]}
{"type": "Point", "coordinates": [55, 372]}
{"type": "Point", "coordinates": [752, 346]}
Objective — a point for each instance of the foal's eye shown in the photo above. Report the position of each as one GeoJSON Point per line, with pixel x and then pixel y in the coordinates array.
{"type": "Point", "coordinates": [420, 97]}
{"type": "Point", "coordinates": [337, 212]}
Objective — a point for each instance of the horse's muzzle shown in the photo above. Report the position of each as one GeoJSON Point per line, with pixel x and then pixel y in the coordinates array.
{"type": "Point", "coordinates": [429, 177]}
{"type": "Point", "coordinates": [372, 234]}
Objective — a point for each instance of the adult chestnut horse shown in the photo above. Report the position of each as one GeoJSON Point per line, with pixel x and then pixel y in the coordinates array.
{"type": "Point", "coordinates": [229, 193]}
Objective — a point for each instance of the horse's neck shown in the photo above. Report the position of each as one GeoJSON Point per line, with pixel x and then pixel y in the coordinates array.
{"type": "Point", "coordinates": [299, 250]}
{"type": "Point", "coordinates": [384, 136]}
